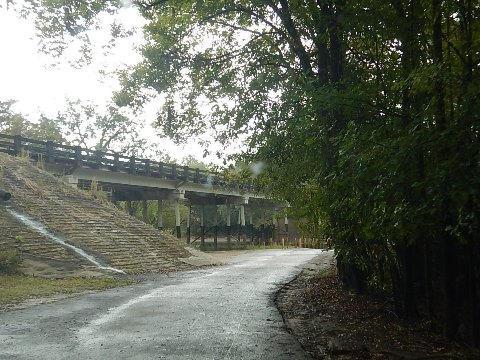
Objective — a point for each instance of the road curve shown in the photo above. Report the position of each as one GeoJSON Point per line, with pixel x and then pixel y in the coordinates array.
{"type": "Point", "coordinates": [224, 312]}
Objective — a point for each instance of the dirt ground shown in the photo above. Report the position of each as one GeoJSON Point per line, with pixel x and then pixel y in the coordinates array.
{"type": "Point", "coordinates": [332, 323]}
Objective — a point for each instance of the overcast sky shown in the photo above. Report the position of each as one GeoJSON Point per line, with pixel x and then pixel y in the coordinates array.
{"type": "Point", "coordinates": [41, 84]}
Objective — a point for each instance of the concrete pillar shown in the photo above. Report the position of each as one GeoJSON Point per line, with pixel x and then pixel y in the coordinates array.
{"type": "Point", "coordinates": [250, 220]}
{"type": "Point", "coordinates": [239, 223]}
{"type": "Point", "coordinates": [128, 207]}
{"type": "Point", "coordinates": [189, 216]}
{"type": "Point", "coordinates": [274, 221]}
{"type": "Point", "coordinates": [177, 218]}
{"type": "Point", "coordinates": [228, 226]}
{"type": "Point", "coordinates": [202, 227]}
{"type": "Point", "coordinates": [145, 211]}
{"type": "Point", "coordinates": [286, 228]}
{"type": "Point", "coordinates": [215, 228]}
{"type": "Point", "coordinates": [160, 214]}
{"type": "Point", "coordinates": [242, 220]}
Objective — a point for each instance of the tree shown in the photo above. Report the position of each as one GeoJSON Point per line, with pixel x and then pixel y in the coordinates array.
{"type": "Point", "coordinates": [86, 126]}
{"type": "Point", "coordinates": [14, 123]}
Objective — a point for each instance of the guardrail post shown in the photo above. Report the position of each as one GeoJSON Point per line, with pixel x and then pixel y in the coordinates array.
{"type": "Point", "coordinates": [98, 159]}
{"type": "Point", "coordinates": [116, 162]}
{"type": "Point", "coordinates": [17, 145]}
{"type": "Point", "coordinates": [174, 171]}
{"type": "Point", "coordinates": [78, 156]}
{"type": "Point", "coordinates": [50, 157]}
{"type": "Point", "coordinates": [147, 167]}
{"type": "Point", "coordinates": [132, 169]}
{"type": "Point", "coordinates": [161, 171]}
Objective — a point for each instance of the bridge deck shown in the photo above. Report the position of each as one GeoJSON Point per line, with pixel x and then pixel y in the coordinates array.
{"type": "Point", "coordinates": [129, 176]}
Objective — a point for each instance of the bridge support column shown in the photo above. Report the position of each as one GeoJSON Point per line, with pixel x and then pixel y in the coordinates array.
{"type": "Point", "coordinates": [160, 214]}
{"type": "Point", "coordinates": [239, 223]}
{"type": "Point", "coordinates": [215, 227]}
{"type": "Point", "coordinates": [250, 220]}
{"type": "Point", "coordinates": [202, 227]}
{"type": "Point", "coordinates": [242, 221]}
{"type": "Point", "coordinates": [286, 228]}
{"type": "Point", "coordinates": [228, 226]}
{"type": "Point", "coordinates": [177, 219]}
{"type": "Point", "coordinates": [274, 226]}
{"type": "Point", "coordinates": [145, 211]}
{"type": "Point", "coordinates": [189, 216]}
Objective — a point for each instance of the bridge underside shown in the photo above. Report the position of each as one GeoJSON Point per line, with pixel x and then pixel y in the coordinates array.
{"type": "Point", "coordinates": [128, 187]}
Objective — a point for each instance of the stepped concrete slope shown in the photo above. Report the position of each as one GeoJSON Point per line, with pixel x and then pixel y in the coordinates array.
{"type": "Point", "coordinates": [117, 239]}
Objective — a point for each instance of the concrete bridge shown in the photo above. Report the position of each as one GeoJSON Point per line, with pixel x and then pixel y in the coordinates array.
{"type": "Point", "coordinates": [128, 179]}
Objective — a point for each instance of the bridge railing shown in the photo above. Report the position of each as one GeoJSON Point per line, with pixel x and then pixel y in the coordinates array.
{"type": "Point", "coordinates": [76, 156]}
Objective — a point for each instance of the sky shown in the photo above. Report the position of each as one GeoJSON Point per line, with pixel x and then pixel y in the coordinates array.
{"type": "Point", "coordinates": [42, 84]}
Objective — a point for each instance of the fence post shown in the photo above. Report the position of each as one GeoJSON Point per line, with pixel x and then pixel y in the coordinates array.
{"type": "Point", "coordinates": [78, 156]}
{"type": "Point", "coordinates": [98, 159]}
{"type": "Point", "coordinates": [17, 145]}
{"type": "Point", "coordinates": [197, 175]}
{"type": "Point", "coordinates": [147, 167]}
{"type": "Point", "coordinates": [186, 171]}
{"type": "Point", "coordinates": [161, 172]}
{"type": "Point", "coordinates": [116, 162]}
{"type": "Point", "coordinates": [174, 171]}
{"type": "Point", "coordinates": [132, 169]}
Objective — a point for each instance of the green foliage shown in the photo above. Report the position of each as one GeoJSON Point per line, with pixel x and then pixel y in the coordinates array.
{"type": "Point", "coordinates": [13, 123]}
{"type": "Point", "coordinates": [88, 127]}
{"type": "Point", "coordinates": [10, 261]}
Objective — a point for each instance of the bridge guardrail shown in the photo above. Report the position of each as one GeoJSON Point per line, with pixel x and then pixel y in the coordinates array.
{"type": "Point", "coordinates": [76, 156]}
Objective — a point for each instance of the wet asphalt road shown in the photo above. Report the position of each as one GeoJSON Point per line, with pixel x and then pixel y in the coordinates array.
{"type": "Point", "coordinates": [225, 312]}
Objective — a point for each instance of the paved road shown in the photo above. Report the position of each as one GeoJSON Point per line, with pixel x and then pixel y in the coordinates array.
{"type": "Point", "coordinates": [224, 312]}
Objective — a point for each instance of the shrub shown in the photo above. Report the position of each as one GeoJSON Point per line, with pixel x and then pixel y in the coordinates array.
{"type": "Point", "coordinates": [10, 260]}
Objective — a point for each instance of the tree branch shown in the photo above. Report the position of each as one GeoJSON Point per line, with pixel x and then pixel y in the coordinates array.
{"type": "Point", "coordinates": [148, 6]}
{"type": "Point", "coordinates": [294, 39]}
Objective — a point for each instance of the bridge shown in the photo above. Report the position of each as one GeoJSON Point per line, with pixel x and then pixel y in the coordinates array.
{"type": "Point", "coordinates": [128, 178]}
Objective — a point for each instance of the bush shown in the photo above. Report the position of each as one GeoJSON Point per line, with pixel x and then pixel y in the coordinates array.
{"type": "Point", "coordinates": [10, 260]}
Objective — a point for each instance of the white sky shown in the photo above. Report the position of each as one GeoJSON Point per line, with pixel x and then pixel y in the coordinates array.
{"type": "Point", "coordinates": [29, 77]}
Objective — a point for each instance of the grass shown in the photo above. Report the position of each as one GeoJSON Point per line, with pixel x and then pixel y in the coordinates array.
{"type": "Point", "coordinates": [17, 288]}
